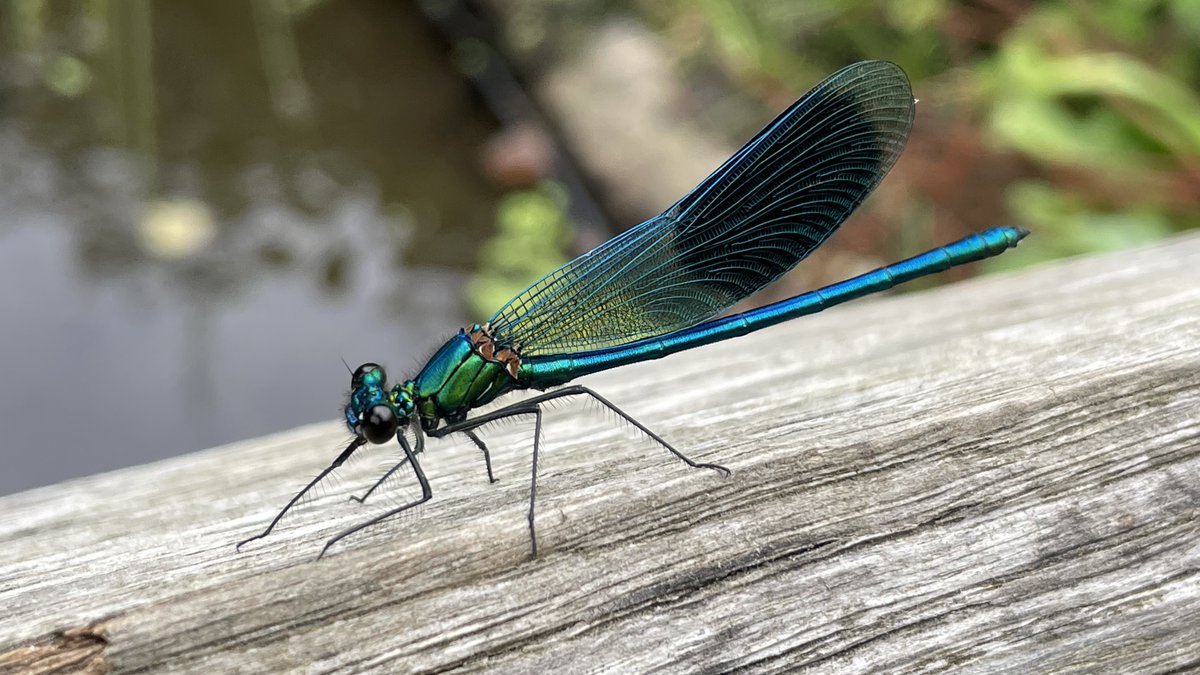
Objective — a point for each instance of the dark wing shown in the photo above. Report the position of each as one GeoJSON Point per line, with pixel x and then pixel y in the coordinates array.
{"type": "Point", "coordinates": [764, 210]}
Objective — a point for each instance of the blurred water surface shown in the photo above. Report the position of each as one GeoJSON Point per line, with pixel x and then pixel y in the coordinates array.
{"type": "Point", "coordinates": [203, 206]}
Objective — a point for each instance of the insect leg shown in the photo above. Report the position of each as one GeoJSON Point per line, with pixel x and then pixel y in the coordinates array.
{"type": "Point", "coordinates": [384, 477]}
{"type": "Point", "coordinates": [580, 390]}
{"type": "Point", "coordinates": [354, 445]}
{"type": "Point", "coordinates": [522, 408]}
{"type": "Point", "coordinates": [426, 495]}
{"type": "Point", "coordinates": [537, 437]}
{"type": "Point", "coordinates": [531, 406]}
{"type": "Point", "coordinates": [487, 456]}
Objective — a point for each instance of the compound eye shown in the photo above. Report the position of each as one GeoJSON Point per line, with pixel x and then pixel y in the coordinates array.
{"type": "Point", "coordinates": [379, 424]}
{"type": "Point", "coordinates": [374, 370]}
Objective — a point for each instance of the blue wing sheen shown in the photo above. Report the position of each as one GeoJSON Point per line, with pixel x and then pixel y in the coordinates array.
{"type": "Point", "coordinates": [749, 222]}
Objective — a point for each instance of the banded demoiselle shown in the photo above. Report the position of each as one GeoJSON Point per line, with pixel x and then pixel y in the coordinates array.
{"type": "Point", "coordinates": [654, 290]}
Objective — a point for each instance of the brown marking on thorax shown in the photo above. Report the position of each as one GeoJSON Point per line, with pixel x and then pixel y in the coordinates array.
{"type": "Point", "coordinates": [484, 344]}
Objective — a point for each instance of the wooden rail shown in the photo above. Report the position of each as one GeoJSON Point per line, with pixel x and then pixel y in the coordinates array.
{"type": "Point", "coordinates": [1002, 475]}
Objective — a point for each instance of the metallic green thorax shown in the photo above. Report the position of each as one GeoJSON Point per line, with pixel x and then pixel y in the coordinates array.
{"type": "Point", "coordinates": [456, 380]}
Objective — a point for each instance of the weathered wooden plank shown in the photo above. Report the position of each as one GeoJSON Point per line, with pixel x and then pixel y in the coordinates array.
{"type": "Point", "coordinates": [998, 476]}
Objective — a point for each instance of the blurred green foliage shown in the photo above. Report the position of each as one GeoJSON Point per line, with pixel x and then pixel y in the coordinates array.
{"type": "Point", "coordinates": [531, 233]}
{"type": "Point", "coordinates": [1101, 98]}
{"type": "Point", "coordinates": [1096, 100]}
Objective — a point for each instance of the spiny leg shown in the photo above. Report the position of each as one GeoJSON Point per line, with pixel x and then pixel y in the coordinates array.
{"type": "Point", "coordinates": [531, 406]}
{"type": "Point", "coordinates": [575, 390]}
{"type": "Point", "coordinates": [487, 460]}
{"type": "Point", "coordinates": [537, 437]}
{"type": "Point", "coordinates": [426, 495]}
{"type": "Point", "coordinates": [384, 477]}
{"type": "Point", "coordinates": [395, 467]}
{"type": "Point", "coordinates": [487, 456]}
{"type": "Point", "coordinates": [522, 408]}
{"type": "Point", "coordinates": [354, 445]}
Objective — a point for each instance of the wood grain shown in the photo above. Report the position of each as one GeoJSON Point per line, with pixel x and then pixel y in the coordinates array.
{"type": "Point", "coordinates": [998, 476]}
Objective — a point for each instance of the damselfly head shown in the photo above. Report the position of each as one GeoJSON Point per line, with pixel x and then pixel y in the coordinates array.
{"type": "Point", "coordinates": [375, 412]}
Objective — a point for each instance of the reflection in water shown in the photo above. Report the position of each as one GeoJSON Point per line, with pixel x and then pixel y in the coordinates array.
{"type": "Point", "coordinates": [205, 206]}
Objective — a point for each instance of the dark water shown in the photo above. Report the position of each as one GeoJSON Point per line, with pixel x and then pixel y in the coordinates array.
{"type": "Point", "coordinates": [204, 206]}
